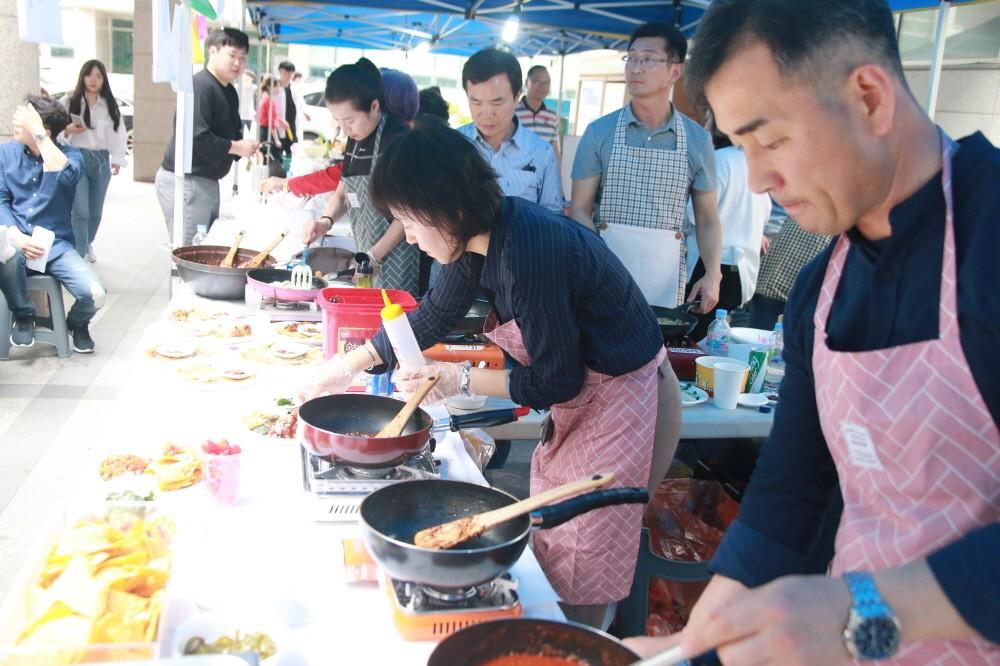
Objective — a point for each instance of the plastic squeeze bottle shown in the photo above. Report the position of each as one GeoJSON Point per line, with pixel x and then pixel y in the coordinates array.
{"type": "Point", "coordinates": [397, 327]}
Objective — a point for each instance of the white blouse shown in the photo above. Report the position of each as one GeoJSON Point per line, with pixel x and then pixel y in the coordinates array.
{"type": "Point", "coordinates": [103, 136]}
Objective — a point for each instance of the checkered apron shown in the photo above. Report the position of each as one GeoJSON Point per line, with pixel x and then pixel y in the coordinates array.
{"type": "Point", "coordinates": [400, 268]}
{"type": "Point", "coordinates": [607, 427]}
{"type": "Point", "coordinates": [643, 207]}
{"type": "Point", "coordinates": [916, 449]}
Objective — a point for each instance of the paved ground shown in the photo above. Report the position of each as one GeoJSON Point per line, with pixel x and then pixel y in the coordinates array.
{"type": "Point", "coordinates": [51, 408]}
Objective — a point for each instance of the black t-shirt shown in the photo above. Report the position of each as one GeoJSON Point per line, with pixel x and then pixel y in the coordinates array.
{"type": "Point", "coordinates": [216, 125]}
{"type": "Point", "coordinates": [358, 154]}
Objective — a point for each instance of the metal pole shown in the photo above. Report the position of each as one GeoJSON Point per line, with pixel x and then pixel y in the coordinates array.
{"type": "Point", "coordinates": [180, 139]}
{"type": "Point", "coordinates": [934, 85]}
{"type": "Point", "coordinates": [562, 70]}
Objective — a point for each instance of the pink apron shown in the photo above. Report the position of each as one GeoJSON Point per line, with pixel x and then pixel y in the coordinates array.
{"type": "Point", "coordinates": [916, 449]}
{"type": "Point", "coordinates": [607, 427]}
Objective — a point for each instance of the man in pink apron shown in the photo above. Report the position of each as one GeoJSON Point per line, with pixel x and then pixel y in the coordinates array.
{"type": "Point", "coordinates": [581, 339]}
{"type": "Point", "coordinates": [892, 386]}
{"type": "Point", "coordinates": [644, 162]}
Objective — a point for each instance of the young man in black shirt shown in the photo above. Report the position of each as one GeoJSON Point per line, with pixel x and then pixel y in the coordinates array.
{"type": "Point", "coordinates": [217, 135]}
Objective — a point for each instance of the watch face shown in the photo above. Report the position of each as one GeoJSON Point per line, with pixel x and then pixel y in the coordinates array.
{"type": "Point", "coordinates": [876, 638]}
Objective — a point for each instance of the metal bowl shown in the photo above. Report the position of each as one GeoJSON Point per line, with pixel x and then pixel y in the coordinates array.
{"type": "Point", "coordinates": [199, 268]}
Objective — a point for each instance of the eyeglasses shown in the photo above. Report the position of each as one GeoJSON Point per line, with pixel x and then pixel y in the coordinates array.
{"type": "Point", "coordinates": [644, 62]}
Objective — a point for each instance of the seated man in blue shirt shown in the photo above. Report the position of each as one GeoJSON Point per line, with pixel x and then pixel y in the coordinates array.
{"type": "Point", "coordinates": [525, 163]}
{"type": "Point", "coordinates": [891, 394]}
{"type": "Point", "coordinates": [37, 184]}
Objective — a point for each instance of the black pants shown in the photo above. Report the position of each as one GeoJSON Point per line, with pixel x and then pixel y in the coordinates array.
{"type": "Point", "coordinates": [764, 311]}
{"type": "Point", "coordinates": [730, 296]}
{"type": "Point", "coordinates": [272, 152]}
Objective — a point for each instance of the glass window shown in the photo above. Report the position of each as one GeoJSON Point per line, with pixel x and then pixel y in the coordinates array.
{"type": "Point", "coordinates": [61, 52]}
{"type": "Point", "coordinates": [973, 33]}
{"type": "Point", "coordinates": [121, 46]}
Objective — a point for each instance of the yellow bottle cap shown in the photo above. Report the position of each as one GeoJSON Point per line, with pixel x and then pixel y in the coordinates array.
{"type": "Point", "coordinates": [391, 310]}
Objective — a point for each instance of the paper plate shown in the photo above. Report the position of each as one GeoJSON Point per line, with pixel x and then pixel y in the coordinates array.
{"type": "Point", "coordinates": [753, 400]}
{"type": "Point", "coordinates": [692, 395]}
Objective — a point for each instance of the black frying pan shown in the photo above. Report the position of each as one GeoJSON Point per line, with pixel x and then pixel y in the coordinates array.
{"type": "Point", "coordinates": [482, 642]}
{"type": "Point", "coordinates": [677, 322]}
{"type": "Point", "coordinates": [392, 515]}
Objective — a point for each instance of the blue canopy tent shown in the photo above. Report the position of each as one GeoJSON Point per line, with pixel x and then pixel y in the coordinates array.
{"type": "Point", "coordinates": [462, 27]}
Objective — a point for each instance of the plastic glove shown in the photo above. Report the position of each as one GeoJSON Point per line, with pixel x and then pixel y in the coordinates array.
{"type": "Point", "coordinates": [332, 377]}
{"type": "Point", "coordinates": [408, 380]}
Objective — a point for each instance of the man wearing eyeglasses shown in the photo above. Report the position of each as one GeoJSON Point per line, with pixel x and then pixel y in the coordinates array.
{"type": "Point", "coordinates": [643, 162]}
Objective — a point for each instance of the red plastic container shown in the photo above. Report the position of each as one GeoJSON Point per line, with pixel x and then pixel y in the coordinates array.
{"type": "Point", "coordinates": [351, 317]}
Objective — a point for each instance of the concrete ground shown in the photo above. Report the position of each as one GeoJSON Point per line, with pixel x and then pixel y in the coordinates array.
{"type": "Point", "coordinates": [52, 408]}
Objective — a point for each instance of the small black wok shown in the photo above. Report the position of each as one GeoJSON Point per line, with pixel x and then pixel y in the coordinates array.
{"type": "Point", "coordinates": [392, 515]}
{"type": "Point", "coordinates": [482, 642]}
{"type": "Point", "coordinates": [679, 321]}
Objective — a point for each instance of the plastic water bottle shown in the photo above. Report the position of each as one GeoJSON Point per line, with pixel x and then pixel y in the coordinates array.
{"type": "Point", "coordinates": [775, 363]}
{"type": "Point", "coordinates": [719, 335]}
{"type": "Point", "coordinates": [199, 237]}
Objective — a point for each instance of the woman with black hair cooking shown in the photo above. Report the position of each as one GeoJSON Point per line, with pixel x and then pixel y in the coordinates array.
{"type": "Point", "coordinates": [581, 338]}
{"type": "Point", "coordinates": [354, 97]}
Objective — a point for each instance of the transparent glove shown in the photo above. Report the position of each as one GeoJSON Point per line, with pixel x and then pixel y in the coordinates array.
{"type": "Point", "coordinates": [331, 377]}
{"type": "Point", "coordinates": [409, 380]}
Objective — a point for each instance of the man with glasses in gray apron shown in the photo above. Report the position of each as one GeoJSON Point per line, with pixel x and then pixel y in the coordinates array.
{"type": "Point", "coordinates": [646, 160]}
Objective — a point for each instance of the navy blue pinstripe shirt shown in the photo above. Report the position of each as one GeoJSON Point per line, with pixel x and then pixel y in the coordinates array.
{"type": "Point", "coordinates": [576, 305]}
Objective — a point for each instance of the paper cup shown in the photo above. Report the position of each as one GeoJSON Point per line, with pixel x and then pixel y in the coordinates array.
{"type": "Point", "coordinates": [704, 367]}
{"type": "Point", "coordinates": [728, 380]}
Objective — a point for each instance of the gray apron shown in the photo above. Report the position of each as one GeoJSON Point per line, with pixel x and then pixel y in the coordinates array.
{"type": "Point", "coordinates": [643, 207]}
{"type": "Point", "coordinates": [400, 268]}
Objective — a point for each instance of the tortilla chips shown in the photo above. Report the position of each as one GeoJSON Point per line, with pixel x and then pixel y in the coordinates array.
{"type": "Point", "coordinates": [102, 582]}
{"type": "Point", "coordinates": [177, 468]}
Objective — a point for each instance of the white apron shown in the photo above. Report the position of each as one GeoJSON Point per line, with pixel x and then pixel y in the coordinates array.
{"type": "Point", "coordinates": [642, 211]}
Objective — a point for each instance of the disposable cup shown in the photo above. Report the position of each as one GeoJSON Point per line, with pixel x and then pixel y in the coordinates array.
{"type": "Point", "coordinates": [222, 476]}
{"type": "Point", "coordinates": [728, 384]}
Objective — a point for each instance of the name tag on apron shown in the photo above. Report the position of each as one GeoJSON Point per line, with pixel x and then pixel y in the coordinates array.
{"type": "Point", "coordinates": [860, 447]}
{"type": "Point", "coordinates": [353, 201]}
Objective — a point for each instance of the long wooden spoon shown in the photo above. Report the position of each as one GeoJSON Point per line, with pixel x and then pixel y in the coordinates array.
{"type": "Point", "coordinates": [463, 529]}
{"type": "Point", "coordinates": [262, 255]}
{"type": "Point", "coordinates": [228, 261]}
{"type": "Point", "coordinates": [394, 427]}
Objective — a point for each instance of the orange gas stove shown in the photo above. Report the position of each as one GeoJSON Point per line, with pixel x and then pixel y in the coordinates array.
{"type": "Point", "coordinates": [423, 613]}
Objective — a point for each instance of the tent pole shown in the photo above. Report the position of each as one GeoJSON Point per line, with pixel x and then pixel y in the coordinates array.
{"type": "Point", "coordinates": [562, 70]}
{"type": "Point", "coordinates": [934, 84]}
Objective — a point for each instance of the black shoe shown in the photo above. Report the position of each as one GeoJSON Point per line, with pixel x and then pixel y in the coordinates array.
{"type": "Point", "coordinates": [82, 342]}
{"type": "Point", "coordinates": [23, 333]}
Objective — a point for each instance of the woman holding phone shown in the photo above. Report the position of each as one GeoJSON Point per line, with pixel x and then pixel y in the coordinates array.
{"type": "Point", "coordinates": [98, 130]}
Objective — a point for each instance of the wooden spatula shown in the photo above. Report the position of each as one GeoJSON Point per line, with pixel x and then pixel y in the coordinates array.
{"type": "Point", "coordinates": [262, 255]}
{"type": "Point", "coordinates": [463, 529]}
{"type": "Point", "coordinates": [228, 261]}
{"type": "Point", "coordinates": [394, 427]}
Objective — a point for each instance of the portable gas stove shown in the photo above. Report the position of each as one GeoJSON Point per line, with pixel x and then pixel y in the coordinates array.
{"type": "Point", "coordinates": [423, 613]}
{"type": "Point", "coordinates": [289, 310]}
{"type": "Point", "coordinates": [338, 489]}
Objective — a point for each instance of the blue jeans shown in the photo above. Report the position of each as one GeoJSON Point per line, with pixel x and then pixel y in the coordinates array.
{"type": "Point", "coordinates": [72, 271]}
{"type": "Point", "coordinates": [88, 206]}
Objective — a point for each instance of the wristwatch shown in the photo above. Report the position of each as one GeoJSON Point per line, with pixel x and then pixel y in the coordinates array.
{"type": "Point", "coordinates": [39, 137]}
{"type": "Point", "coordinates": [872, 631]}
{"type": "Point", "coordinates": [465, 378]}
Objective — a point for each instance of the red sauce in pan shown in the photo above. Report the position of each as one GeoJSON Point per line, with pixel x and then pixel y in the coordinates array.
{"type": "Point", "coordinates": [532, 660]}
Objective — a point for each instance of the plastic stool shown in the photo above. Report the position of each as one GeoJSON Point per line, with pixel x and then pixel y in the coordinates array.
{"type": "Point", "coordinates": [631, 620]}
{"type": "Point", "coordinates": [57, 336]}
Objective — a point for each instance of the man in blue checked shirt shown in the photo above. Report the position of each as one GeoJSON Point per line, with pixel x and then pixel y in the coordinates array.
{"type": "Point", "coordinates": [525, 164]}
{"type": "Point", "coordinates": [37, 185]}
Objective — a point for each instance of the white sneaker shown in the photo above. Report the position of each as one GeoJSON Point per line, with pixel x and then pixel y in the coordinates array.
{"type": "Point", "coordinates": [91, 257]}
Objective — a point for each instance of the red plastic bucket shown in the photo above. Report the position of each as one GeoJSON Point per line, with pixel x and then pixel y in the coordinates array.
{"type": "Point", "coordinates": [351, 317]}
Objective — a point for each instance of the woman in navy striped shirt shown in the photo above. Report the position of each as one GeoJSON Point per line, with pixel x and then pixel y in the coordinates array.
{"type": "Point", "coordinates": [580, 338]}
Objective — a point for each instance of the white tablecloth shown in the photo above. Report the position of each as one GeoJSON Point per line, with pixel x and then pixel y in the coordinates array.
{"type": "Point", "coordinates": [265, 555]}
